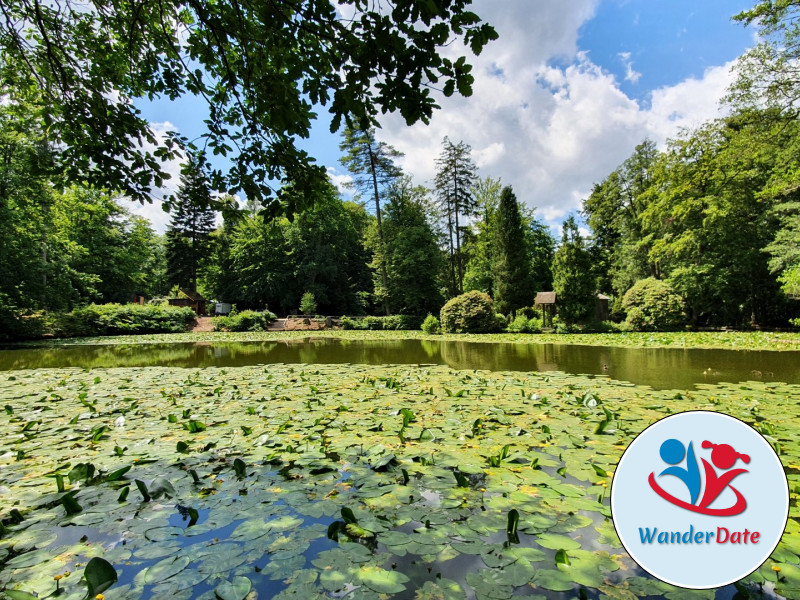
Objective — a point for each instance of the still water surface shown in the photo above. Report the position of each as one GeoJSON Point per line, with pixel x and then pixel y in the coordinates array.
{"type": "Point", "coordinates": [660, 368]}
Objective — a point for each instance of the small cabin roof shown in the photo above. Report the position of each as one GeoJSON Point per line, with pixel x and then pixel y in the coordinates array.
{"type": "Point", "coordinates": [195, 296]}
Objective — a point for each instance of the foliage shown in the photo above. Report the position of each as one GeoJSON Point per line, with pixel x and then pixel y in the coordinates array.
{"type": "Point", "coordinates": [412, 256]}
{"type": "Point", "coordinates": [478, 273]}
{"type": "Point", "coordinates": [262, 71]}
{"type": "Point", "coordinates": [246, 320]}
{"type": "Point", "coordinates": [652, 305]}
{"type": "Point", "coordinates": [472, 312]}
{"type": "Point", "coordinates": [512, 277]}
{"type": "Point", "coordinates": [308, 305]}
{"type": "Point", "coordinates": [430, 325]}
{"type": "Point", "coordinates": [524, 324]}
{"type": "Point", "coordinates": [120, 319]}
{"type": "Point", "coordinates": [321, 252]}
{"type": "Point", "coordinates": [454, 438]}
{"type": "Point", "coordinates": [372, 165]}
{"type": "Point", "coordinates": [455, 176]}
{"type": "Point", "coordinates": [390, 323]}
{"type": "Point", "coordinates": [190, 226]}
{"type": "Point", "coordinates": [572, 276]}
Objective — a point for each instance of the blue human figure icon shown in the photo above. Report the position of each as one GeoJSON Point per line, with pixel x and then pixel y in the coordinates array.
{"type": "Point", "coordinates": [672, 453]}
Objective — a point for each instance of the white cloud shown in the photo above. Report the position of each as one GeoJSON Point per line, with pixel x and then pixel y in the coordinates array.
{"type": "Point", "coordinates": [341, 181]}
{"type": "Point", "coordinates": [154, 211]}
{"type": "Point", "coordinates": [630, 74]}
{"type": "Point", "coordinates": [543, 117]}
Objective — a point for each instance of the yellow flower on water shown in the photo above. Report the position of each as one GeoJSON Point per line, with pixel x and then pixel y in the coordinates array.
{"type": "Point", "coordinates": [776, 568]}
{"type": "Point", "coordinates": [58, 577]}
{"type": "Point", "coordinates": [66, 573]}
{"type": "Point", "coordinates": [99, 597]}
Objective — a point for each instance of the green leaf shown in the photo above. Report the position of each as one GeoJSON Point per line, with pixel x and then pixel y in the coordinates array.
{"type": "Point", "coordinates": [233, 590]}
{"type": "Point", "coordinates": [70, 504]}
{"type": "Point", "coordinates": [562, 558]}
{"type": "Point", "coordinates": [100, 575]}
{"type": "Point", "coordinates": [142, 489]}
{"type": "Point", "coordinates": [382, 581]}
{"type": "Point", "coordinates": [348, 516]}
{"type": "Point", "coordinates": [118, 474]}
{"type": "Point", "coordinates": [513, 521]}
{"type": "Point", "coordinates": [240, 467]}
{"type": "Point", "coordinates": [19, 595]}
{"type": "Point", "coordinates": [161, 487]}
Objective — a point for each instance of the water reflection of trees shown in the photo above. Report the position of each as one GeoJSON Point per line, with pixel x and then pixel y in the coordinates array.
{"type": "Point", "coordinates": [663, 368]}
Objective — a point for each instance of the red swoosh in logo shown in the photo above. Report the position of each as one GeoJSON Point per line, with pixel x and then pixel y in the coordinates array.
{"type": "Point", "coordinates": [737, 508]}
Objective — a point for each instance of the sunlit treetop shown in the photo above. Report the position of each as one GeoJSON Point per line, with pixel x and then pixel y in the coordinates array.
{"type": "Point", "coordinates": [260, 66]}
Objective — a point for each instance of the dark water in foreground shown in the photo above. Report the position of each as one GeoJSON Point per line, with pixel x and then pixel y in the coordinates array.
{"type": "Point", "coordinates": [660, 368]}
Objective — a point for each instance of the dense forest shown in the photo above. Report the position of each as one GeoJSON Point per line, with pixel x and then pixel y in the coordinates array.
{"type": "Point", "coordinates": [708, 226]}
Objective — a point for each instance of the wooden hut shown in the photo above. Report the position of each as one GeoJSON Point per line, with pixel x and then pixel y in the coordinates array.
{"type": "Point", "coordinates": [547, 302]}
{"type": "Point", "coordinates": [191, 298]}
{"type": "Point", "coordinates": [601, 307]}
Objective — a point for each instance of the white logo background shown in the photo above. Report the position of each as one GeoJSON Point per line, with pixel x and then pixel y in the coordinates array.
{"type": "Point", "coordinates": [635, 505]}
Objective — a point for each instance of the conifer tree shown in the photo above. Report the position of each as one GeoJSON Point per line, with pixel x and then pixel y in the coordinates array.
{"type": "Point", "coordinates": [455, 176]}
{"type": "Point", "coordinates": [371, 163]}
{"type": "Point", "coordinates": [573, 281]}
{"type": "Point", "coordinates": [189, 229]}
{"type": "Point", "coordinates": [512, 274]}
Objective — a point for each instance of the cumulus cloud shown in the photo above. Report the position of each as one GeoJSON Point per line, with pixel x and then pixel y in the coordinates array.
{"type": "Point", "coordinates": [154, 211]}
{"type": "Point", "coordinates": [341, 181]}
{"type": "Point", "coordinates": [543, 116]}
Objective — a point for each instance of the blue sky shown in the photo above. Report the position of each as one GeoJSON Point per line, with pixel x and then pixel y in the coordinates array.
{"type": "Point", "coordinates": [560, 99]}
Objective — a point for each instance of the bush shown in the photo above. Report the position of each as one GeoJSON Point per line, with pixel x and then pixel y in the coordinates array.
{"type": "Point", "coordinates": [120, 319]}
{"type": "Point", "coordinates": [247, 320]}
{"type": "Point", "coordinates": [604, 327]}
{"type": "Point", "coordinates": [561, 327]}
{"type": "Point", "coordinates": [472, 312]}
{"type": "Point", "coordinates": [652, 305]}
{"type": "Point", "coordinates": [534, 325]}
{"type": "Point", "coordinates": [390, 323]}
{"type": "Point", "coordinates": [430, 325]}
{"type": "Point", "coordinates": [519, 324]}
{"type": "Point", "coordinates": [15, 324]}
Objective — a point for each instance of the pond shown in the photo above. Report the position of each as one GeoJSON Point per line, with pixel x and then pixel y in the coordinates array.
{"type": "Point", "coordinates": [214, 477]}
{"type": "Point", "coordinates": [659, 368]}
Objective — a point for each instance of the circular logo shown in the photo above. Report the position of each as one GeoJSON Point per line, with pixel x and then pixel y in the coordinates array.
{"type": "Point", "coordinates": [699, 499]}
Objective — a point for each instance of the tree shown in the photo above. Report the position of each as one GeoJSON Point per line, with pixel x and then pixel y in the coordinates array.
{"type": "Point", "coordinates": [478, 273]}
{"type": "Point", "coordinates": [372, 165]}
{"type": "Point", "coordinates": [321, 251]}
{"type": "Point", "coordinates": [263, 69]}
{"type": "Point", "coordinates": [412, 252]}
{"type": "Point", "coordinates": [613, 211]}
{"type": "Point", "coordinates": [190, 227]}
{"type": "Point", "coordinates": [308, 306]}
{"type": "Point", "coordinates": [512, 275]}
{"type": "Point", "coordinates": [572, 276]}
{"type": "Point", "coordinates": [542, 249]}
{"type": "Point", "coordinates": [455, 176]}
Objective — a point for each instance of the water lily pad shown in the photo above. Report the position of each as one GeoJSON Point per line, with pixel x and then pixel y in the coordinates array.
{"type": "Point", "coordinates": [237, 589]}
{"type": "Point", "coordinates": [381, 580]}
{"type": "Point", "coordinates": [166, 568]}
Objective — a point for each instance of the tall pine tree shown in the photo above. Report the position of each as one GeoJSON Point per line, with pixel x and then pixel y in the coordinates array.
{"type": "Point", "coordinates": [371, 163]}
{"type": "Point", "coordinates": [189, 229]}
{"type": "Point", "coordinates": [512, 273]}
{"type": "Point", "coordinates": [455, 176]}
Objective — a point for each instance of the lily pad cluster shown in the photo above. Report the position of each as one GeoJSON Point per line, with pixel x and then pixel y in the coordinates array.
{"type": "Point", "coordinates": [340, 482]}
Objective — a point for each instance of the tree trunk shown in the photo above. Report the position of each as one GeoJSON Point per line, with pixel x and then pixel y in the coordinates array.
{"type": "Point", "coordinates": [384, 277]}
{"type": "Point", "coordinates": [458, 234]}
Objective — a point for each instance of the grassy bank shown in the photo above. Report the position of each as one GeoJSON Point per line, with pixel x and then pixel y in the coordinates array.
{"type": "Point", "coordinates": [731, 340]}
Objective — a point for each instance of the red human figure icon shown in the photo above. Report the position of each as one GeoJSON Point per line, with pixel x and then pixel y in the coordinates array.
{"type": "Point", "coordinates": [724, 457]}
